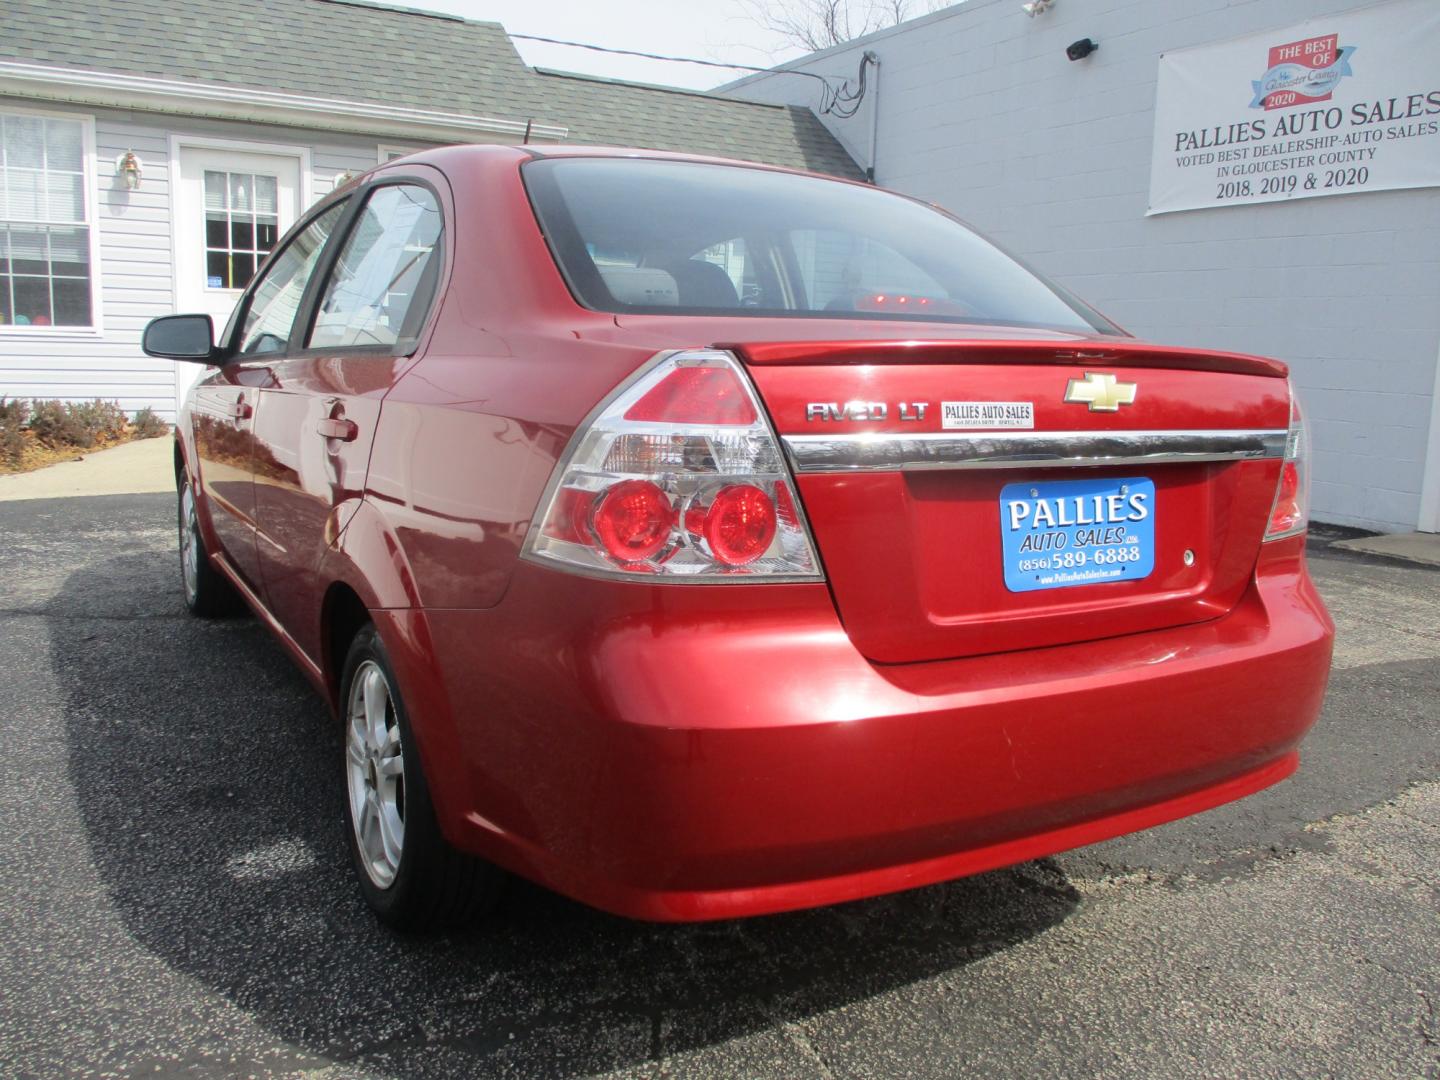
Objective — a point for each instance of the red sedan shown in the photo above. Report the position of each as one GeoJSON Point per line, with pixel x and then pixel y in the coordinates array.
{"type": "Point", "coordinates": [702, 539]}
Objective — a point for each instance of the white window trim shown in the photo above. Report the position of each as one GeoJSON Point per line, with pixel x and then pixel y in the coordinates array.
{"type": "Point", "coordinates": [396, 149]}
{"type": "Point", "coordinates": [11, 332]}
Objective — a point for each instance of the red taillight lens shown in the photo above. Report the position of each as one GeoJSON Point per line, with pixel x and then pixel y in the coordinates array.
{"type": "Point", "coordinates": [1287, 513]}
{"type": "Point", "coordinates": [633, 520]}
{"type": "Point", "coordinates": [696, 395]}
{"type": "Point", "coordinates": [740, 525]}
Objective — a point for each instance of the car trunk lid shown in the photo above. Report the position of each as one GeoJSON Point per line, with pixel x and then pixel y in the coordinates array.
{"type": "Point", "coordinates": [937, 477]}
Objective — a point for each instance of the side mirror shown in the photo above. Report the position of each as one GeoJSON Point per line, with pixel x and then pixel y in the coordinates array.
{"type": "Point", "coordinates": [180, 337]}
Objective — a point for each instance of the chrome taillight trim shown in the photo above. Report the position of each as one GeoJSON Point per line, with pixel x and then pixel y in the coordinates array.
{"type": "Point", "coordinates": [887, 452]}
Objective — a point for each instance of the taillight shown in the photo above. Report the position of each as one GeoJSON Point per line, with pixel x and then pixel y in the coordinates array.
{"type": "Point", "coordinates": [696, 395]}
{"type": "Point", "coordinates": [740, 524]}
{"type": "Point", "coordinates": [678, 478]}
{"type": "Point", "coordinates": [1291, 512]}
{"type": "Point", "coordinates": [633, 520]}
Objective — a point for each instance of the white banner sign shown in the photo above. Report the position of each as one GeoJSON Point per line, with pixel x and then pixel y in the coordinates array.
{"type": "Point", "coordinates": [1332, 106]}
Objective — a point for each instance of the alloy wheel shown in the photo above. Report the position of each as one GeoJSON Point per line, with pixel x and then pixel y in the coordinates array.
{"type": "Point", "coordinates": [375, 774]}
{"type": "Point", "coordinates": [189, 543]}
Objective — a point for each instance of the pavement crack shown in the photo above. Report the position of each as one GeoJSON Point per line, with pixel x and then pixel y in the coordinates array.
{"type": "Point", "coordinates": [1429, 1031]}
{"type": "Point", "coordinates": [1428, 1024]}
{"type": "Point", "coordinates": [798, 1037]}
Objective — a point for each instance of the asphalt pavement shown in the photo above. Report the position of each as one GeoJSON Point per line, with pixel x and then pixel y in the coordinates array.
{"type": "Point", "coordinates": [175, 898]}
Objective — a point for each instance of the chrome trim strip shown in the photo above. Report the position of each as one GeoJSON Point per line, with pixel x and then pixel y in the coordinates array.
{"type": "Point", "coordinates": [892, 452]}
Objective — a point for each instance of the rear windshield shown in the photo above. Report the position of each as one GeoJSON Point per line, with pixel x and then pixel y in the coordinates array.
{"type": "Point", "coordinates": [675, 237]}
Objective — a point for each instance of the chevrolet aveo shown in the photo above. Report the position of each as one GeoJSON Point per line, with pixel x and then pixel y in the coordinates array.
{"type": "Point", "coordinates": [702, 539]}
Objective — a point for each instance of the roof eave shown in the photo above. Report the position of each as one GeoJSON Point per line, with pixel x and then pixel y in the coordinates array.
{"type": "Point", "coordinates": [261, 106]}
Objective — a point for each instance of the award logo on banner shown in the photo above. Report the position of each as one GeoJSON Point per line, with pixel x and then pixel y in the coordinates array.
{"type": "Point", "coordinates": [1302, 72]}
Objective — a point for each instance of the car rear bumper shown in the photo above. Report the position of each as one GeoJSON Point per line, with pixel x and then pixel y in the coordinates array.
{"type": "Point", "coordinates": [699, 753]}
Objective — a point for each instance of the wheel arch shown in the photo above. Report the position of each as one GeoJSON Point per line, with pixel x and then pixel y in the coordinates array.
{"type": "Point", "coordinates": [406, 639]}
{"type": "Point", "coordinates": [370, 580]}
{"type": "Point", "coordinates": [187, 467]}
{"type": "Point", "coordinates": [342, 615]}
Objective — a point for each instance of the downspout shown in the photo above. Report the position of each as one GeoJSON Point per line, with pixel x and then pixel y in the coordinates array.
{"type": "Point", "coordinates": [874, 58]}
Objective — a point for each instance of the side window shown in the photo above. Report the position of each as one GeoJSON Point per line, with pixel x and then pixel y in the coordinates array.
{"type": "Point", "coordinates": [384, 279]}
{"type": "Point", "coordinates": [277, 298]}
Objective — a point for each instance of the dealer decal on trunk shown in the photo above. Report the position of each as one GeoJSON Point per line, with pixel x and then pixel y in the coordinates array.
{"type": "Point", "coordinates": [987, 414]}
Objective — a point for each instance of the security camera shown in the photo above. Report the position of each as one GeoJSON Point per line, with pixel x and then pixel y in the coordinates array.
{"type": "Point", "coordinates": [1078, 50]}
{"type": "Point", "coordinates": [1035, 7]}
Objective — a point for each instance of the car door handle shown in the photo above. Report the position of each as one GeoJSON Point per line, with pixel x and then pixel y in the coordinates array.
{"type": "Point", "coordinates": [339, 428]}
{"type": "Point", "coordinates": [239, 409]}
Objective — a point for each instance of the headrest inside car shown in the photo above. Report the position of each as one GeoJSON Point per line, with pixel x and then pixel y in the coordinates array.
{"type": "Point", "coordinates": [704, 285]}
{"type": "Point", "coordinates": [643, 286]}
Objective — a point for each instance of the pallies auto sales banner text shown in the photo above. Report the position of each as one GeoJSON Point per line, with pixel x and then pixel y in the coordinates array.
{"type": "Point", "coordinates": [1332, 106]}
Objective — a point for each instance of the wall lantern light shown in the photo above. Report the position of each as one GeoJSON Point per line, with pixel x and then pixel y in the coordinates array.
{"type": "Point", "coordinates": [129, 168]}
{"type": "Point", "coordinates": [1078, 50]}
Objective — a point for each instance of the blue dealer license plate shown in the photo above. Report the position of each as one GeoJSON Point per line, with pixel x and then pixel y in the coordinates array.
{"type": "Point", "coordinates": [1077, 532]}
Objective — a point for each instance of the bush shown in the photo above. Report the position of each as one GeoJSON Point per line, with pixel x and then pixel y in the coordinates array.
{"type": "Point", "coordinates": [69, 425]}
{"type": "Point", "coordinates": [147, 425]}
{"type": "Point", "coordinates": [52, 424]}
{"type": "Point", "coordinates": [81, 424]}
{"type": "Point", "coordinates": [101, 421]}
{"type": "Point", "coordinates": [13, 415]}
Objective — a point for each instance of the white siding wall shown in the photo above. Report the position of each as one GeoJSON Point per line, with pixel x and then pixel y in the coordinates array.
{"type": "Point", "coordinates": [981, 112]}
{"type": "Point", "coordinates": [136, 258]}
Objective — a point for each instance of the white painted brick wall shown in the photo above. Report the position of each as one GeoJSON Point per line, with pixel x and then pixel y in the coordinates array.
{"type": "Point", "coordinates": [981, 112]}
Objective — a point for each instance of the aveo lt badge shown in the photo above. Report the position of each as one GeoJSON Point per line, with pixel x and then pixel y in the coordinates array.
{"type": "Point", "coordinates": [864, 410]}
{"type": "Point", "coordinates": [1101, 391]}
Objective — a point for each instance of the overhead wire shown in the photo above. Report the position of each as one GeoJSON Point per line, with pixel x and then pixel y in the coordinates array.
{"type": "Point", "coordinates": [846, 103]}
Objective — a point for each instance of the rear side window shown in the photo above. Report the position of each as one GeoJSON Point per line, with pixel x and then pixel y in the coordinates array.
{"type": "Point", "coordinates": [636, 235]}
{"type": "Point", "coordinates": [383, 282]}
{"type": "Point", "coordinates": [276, 299]}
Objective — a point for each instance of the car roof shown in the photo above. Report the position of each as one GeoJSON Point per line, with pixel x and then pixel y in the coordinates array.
{"type": "Point", "coordinates": [441, 156]}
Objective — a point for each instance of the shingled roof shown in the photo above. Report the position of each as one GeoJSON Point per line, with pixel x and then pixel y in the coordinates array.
{"type": "Point", "coordinates": [368, 53]}
{"type": "Point", "coordinates": [327, 48]}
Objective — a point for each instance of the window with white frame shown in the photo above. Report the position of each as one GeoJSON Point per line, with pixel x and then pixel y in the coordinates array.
{"type": "Point", "coordinates": [45, 262]}
{"type": "Point", "coordinates": [242, 223]}
{"type": "Point", "coordinates": [390, 153]}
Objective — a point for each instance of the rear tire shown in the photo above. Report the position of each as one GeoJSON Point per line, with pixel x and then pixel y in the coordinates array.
{"type": "Point", "coordinates": [410, 875]}
{"type": "Point", "coordinates": [207, 592]}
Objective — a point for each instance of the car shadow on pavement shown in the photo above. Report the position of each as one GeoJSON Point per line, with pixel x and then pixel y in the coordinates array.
{"type": "Point", "coordinates": [207, 774]}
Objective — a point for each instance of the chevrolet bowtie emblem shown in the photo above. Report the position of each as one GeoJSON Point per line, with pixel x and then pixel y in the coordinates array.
{"type": "Point", "coordinates": [1101, 392]}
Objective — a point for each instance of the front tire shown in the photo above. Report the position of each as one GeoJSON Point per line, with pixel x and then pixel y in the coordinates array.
{"type": "Point", "coordinates": [207, 593]}
{"type": "Point", "coordinates": [410, 876]}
